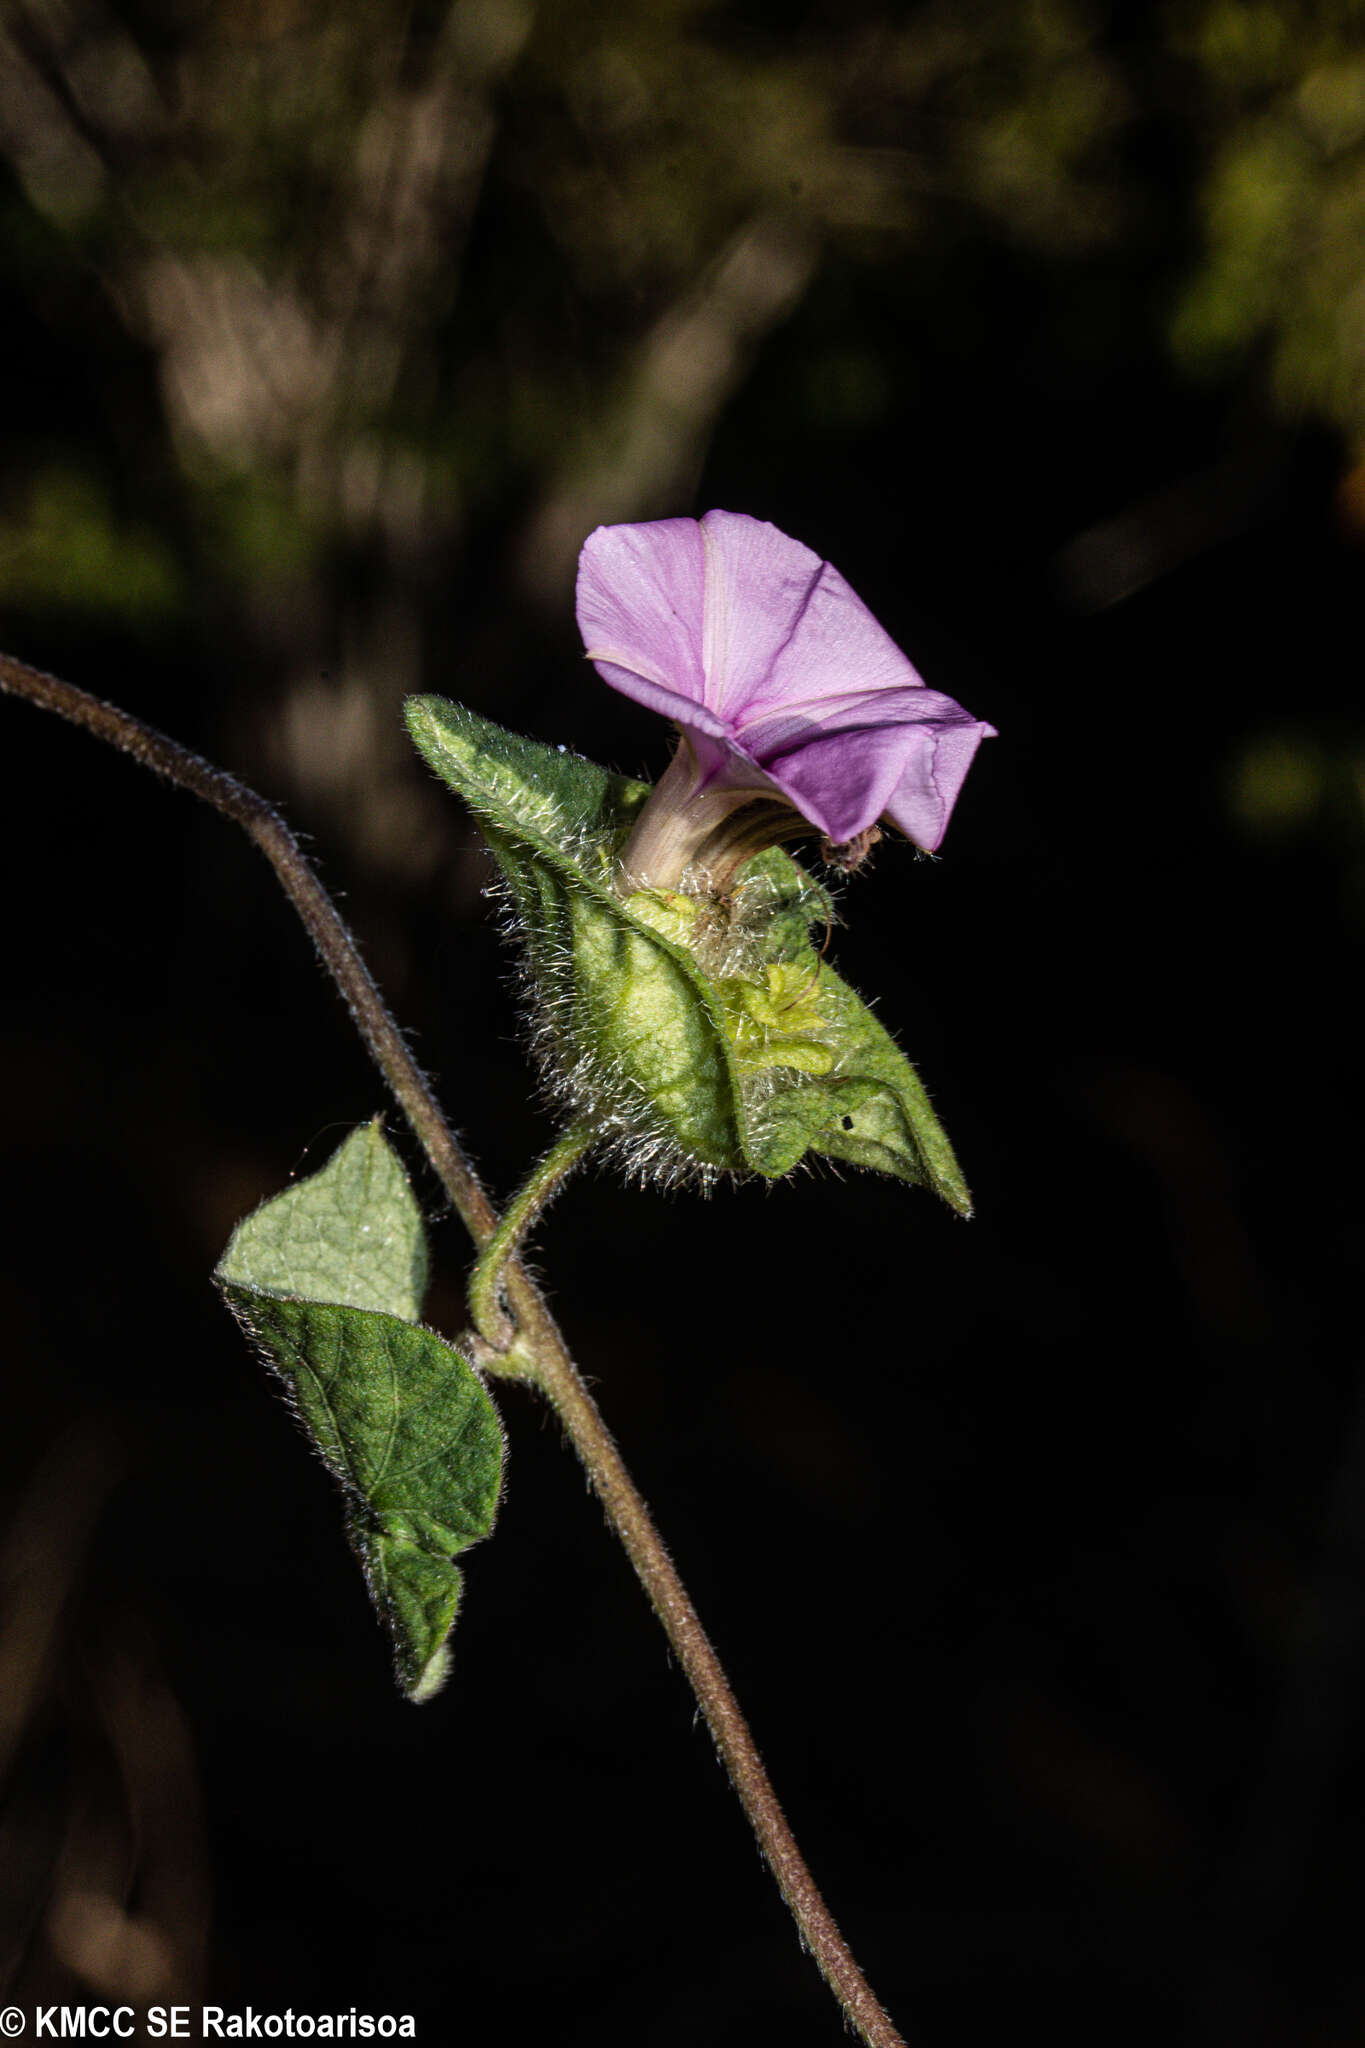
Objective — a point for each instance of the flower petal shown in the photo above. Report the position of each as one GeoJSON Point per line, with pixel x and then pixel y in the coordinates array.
{"type": "Point", "coordinates": [928, 789]}
{"type": "Point", "coordinates": [833, 649]}
{"type": "Point", "coordinates": [781, 728]}
{"type": "Point", "coordinates": [844, 779]}
{"type": "Point", "coordinates": [641, 591]}
{"type": "Point", "coordinates": [720, 764]}
{"type": "Point", "coordinates": [776, 670]}
{"type": "Point", "coordinates": [759, 586]}
{"type": "Point", "coordinates": [657, 696]}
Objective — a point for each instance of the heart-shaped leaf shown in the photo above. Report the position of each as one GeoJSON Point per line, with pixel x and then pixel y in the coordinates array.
{"type": "Point", "coordinates": [328, 1280]}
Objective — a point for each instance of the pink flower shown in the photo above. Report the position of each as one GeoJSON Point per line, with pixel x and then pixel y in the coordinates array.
{"type": "Point", "coordinates": [790, 696]}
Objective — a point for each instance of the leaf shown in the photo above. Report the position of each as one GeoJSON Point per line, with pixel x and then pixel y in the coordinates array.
{"type": "Point", "coordinates": [628, 1021]}
{"type": "Point", "coordinates": [749, 1066]}
{"type": "Point", "coordinates": [868, 1105]}
{"type": "Point", "coordinates": [405, 1425]}
{"type": "Point", "coordinates": [328, 1279]}
{"type": "Point", "coordinates": [885, 1120]}
{"type": "Point", "coordinates": [548, 797]}
{"type": "Point", "coordinates": [350, 1233]}
{"type": "Point", "coordinates": [418, 1593]}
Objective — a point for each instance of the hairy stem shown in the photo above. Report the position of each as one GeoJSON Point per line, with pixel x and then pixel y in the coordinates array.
{"type": "Point", "coordinates": [485, 1282]}
{"type": "Point", "coordinates": [549, 1364]}
{"type": "Point", "coordinates": [563, 1385]}
{"type": "Point", "coordinates": [340, 954]}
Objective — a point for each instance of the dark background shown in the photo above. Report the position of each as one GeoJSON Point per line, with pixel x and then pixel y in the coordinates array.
{"type": "Point", "coordinates": [1034, 1546]}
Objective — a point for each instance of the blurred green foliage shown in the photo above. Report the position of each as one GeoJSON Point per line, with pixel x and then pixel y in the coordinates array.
{"type": "Point", "coordinates": [388, 265]}
{"type": "Point", "coordinates": [66, 546]}
{"type": "Point", "coordinates": [360, 244]}
{"type": "Point", "coordinates": [1296, 788]}
{"type": "Point", "coordinates": [321, 305]}
{"type": "Point", "coordinates": [1283, 201]}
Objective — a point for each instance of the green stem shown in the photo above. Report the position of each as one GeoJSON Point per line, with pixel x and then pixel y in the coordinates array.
{"type": "Point", "coordinates": [485, 1282]}
{"type": "Point", "coordinates": [538, 1340]}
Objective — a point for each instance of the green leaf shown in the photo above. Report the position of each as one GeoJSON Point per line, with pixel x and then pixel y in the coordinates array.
{"type": "Point", "coordinates": [710, 1031]}
{"type": "Point", "coordinates": [417, 1591]}
{"type": "Point", "coordinates": [328, 1279]}
{"type": "Point", "coordinates": [547, 797]}
{"type": "Point", "coordinates": [884, 1119]}
{"type": "Point", "coordinates": [630, 1028]}
{"type": "Point", "coordinates": [350, 1233]}
{"type": "Point", "coordinates": [406, 1427]}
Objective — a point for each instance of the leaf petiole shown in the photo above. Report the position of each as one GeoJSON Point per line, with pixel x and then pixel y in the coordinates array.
{"type": "Point", "coordinates": [490, 1318]}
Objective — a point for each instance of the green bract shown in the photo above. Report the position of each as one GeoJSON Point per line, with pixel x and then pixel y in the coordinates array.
{"type": "Point", "coordinates": [702, 1035]}
{"type": "Point", "coordinates": [329, 1278]}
